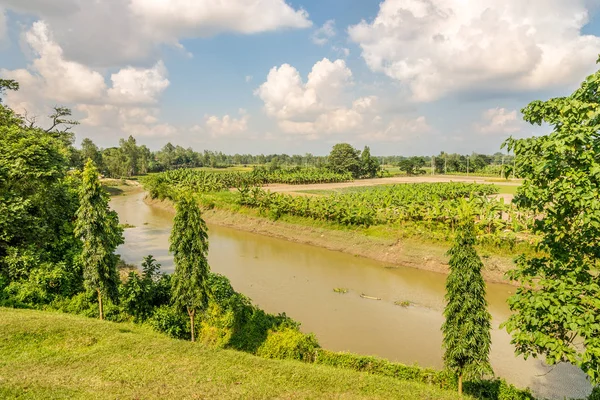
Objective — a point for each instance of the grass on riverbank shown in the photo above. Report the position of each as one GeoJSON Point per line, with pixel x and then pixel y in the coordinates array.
{"type": "Point", "coordinates": [50, 355]}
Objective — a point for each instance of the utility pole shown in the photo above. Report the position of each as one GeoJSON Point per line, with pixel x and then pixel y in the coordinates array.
{"type": "Point", "coordinates": [432, 164]}
{"type": "Point", "coordinates": [467, 165]}
{"type": "Point", "coordinates": [445, 164]}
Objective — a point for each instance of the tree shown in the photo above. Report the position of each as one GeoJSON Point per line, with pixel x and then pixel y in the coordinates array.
{"type": "Point", "coordinates": [89, 151]}
{"type": "Point", "coordinates": [556, 308]}
{"type": "Point", "coordinates": [412, 165]}
{"type": "Point", "coordinates": [189, 245]}
{"type": "Point", "coordinates": [467, 327]}
{"type": "Point", "coordinates": [344, 158]}
{"type": "Point", "coordinates": [130, 150]}
{"type": "Point", "coordinates": [368, 164]}
{"type": "Point", "coordinates": [98, 228]}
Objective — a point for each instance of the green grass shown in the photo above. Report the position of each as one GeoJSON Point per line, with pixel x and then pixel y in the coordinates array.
{"type": "Point", "coordinates": [507, 189]}
{"type": "Point", "coordinates": [46, 355]}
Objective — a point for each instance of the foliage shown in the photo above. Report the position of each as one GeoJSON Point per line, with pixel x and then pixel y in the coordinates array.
{"type": "Point", "coordinates": [141, 293]}
{"type": "Point", "coordinates": [290, 344]}
{"type": "Point", "coordinates": [556, 306]}
{"type": "Point", "coordinates": [344, 159]}
{"type": "Point", "coordinates": [98, 228]}
{"type": "Point", "coordinates": [38, 201]}
{"type": "Point", "coordinates": [170, 321]}
{"type": "Point", "coordinates": [434, 206]}
{"type": "Point", "coordinates": [412, 165]}
{"type": "Point", "coordinates": [466, 330]}
{"type": "Point", "coordinates": [369, 166]}
{"type": "Point", "coordinates": [189, 245]}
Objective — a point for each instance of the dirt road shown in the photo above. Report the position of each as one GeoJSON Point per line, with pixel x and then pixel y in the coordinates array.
{"type": "Point", "coordinates": [281, 188]}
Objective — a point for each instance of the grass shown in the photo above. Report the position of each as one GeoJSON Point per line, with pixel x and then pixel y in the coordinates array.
{"type": "Point", "coordinates": [507, 189]}
{"type": "Point", "coordinates": [402, 303]}
{"type": "Point", "coordinates": [46, 355]}
{"type": "Point", "coordinates": [340, 290]}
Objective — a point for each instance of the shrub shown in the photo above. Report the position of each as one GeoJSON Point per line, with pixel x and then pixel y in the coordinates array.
{"type": "Point", "coordinates": [170, 321]}
{"type": "Point", "coordinates": [289, 343]}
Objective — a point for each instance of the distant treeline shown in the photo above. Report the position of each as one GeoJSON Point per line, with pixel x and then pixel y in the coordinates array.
{"type": "Point", "coordinates": [130, 159]}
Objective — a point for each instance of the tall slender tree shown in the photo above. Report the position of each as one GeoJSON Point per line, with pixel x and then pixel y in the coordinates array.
{"type": "Point", "coordinates": [467, 327]}
{"type": "Point", "coordinates": [189, 245]}
{"type": "Point", "coordinates": [98, 227]}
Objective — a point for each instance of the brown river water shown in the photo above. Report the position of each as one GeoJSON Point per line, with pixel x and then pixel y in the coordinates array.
{"type": "Point", "coordinates": [282, 276]}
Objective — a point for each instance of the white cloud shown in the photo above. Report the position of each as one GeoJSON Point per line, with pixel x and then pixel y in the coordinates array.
{"type": "Point", "coordinates": [138, 86]}
{"type": "Point", "coordinates": [322, 35]}
{"type": "Point", "coordinates": [438, 47]}
{"type": "Point", "coordinates": [64, 81]}
{"type": "Point", "coordinates": [498, 121]}
{"type": "Point", "coordinates": [286, 96]}
{"type": "Point", "coordinates": [248, 78]}
{"type": "Point", "coordinates": [117, 32]}
{"type": "Point", "coordinates": [343, 51]}
{"type": "Point", "coordinates": [226, 126]}
{"type": "Point", "coordinates": [52, 79]}
{"type": "Point", "coordinates": [319, 106]}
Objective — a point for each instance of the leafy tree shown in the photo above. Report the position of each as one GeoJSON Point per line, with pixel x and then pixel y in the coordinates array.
{"type": "Point", "coordinates": [89, 151]}
{"type": "Point", "coordinates": [412, 165]}
{"type": "Point", "coordinates": [467, 327]}
{"type": "Point", "coordinates": [369, 165]}
{"type": "Point", "coordinates": [556, 308]}
{"type": "Point", "coordinates": [344, 158]}
{"type": "Point", "coordinates": [98, 228]}
{"type": "Point", "coordinates": [131, 152]}
{"type": "Point", "coordinates": [142, 293]}
{"type": "Point", "coordinates": [38, 202]}
{"type": "Point", "coordinates": [189, 245]}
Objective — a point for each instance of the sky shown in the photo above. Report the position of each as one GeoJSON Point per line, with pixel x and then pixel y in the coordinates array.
{"type": "Point", "coordinates": [405, 77]}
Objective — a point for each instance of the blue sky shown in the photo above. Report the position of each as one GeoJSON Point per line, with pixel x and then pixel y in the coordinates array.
{"type": "Point", "coordinates": [269, 76]}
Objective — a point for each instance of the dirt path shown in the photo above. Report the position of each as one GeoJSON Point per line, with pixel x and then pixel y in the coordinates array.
{"type": "Point", "coordinates": [282, 188]}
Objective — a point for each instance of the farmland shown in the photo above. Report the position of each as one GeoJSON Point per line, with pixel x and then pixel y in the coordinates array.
{"type": "Point", "coordinates": [427, 210]}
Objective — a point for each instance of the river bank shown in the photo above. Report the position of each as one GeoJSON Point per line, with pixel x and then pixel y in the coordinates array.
{"type": "Point", "coordinates": [404, 252]}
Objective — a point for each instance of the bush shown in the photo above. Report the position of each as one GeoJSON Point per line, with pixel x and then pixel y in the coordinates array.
{"type": "Point", "coordinates": [289, 344]}
{"type": "Point", "coordinates": [170, 321]}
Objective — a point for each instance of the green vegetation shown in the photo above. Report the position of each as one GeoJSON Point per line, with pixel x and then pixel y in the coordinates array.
{"type": "Point", "coordinates": [340, 290]}
{"type": "Point", "coordinates": [467, 326]}
{"type": "Point", "coordinates": [98, 228]}
{"type": "Point", "coordinates": [49, 355]}
{"type": "Point", "coordinates": [434, 206]}
{"type": "Point", "coordinates": [189, 245]}
{"type": "Point", "coordinates": [556, 307]}
{"type": "Point", "coordinates": [402, 303]}
{"type": "Point", "coordinates": [204, 182]}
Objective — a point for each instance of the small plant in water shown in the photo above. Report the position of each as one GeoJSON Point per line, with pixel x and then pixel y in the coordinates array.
{"type": "Point", "coordinates": [402, 303]}
{"type": "Point", "coordinates": [340, 290]}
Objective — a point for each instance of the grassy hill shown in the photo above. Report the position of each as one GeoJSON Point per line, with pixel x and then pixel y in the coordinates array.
{"type": "Point", "coordinates": [46, 355]}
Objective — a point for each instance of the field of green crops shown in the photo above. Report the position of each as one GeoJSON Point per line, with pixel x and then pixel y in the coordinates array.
{"type": "Point", "coordinates": [203, 181]}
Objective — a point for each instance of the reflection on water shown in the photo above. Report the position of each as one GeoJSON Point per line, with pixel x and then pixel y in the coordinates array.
{"type": "Point", "coordinates": [282, 276]}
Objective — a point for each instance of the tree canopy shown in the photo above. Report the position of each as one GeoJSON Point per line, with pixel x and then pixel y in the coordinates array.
{"type": "Point", "coordinates": [467, 327]}
{"type": "Point", "coordinates": [189, 245]}
{"type": "Point", "coordinates": [344, 158]}
{"type": "Point", "coordinates": [556, 309]}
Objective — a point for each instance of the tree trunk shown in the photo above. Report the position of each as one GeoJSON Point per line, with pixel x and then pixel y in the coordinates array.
{"type": "Point", "coordinates": [460, 384]}
{"type": "Point", "coordinates": [193, 329]}
{"type": "Point", "coordinates": [100, 307]}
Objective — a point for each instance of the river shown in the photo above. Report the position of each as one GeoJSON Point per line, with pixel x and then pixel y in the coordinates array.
{"type": "Point", "coordinates": [282, 276]}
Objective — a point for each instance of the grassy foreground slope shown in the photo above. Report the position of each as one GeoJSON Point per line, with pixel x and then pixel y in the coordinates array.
{"type": "Point", "coordinates": [49, 355]}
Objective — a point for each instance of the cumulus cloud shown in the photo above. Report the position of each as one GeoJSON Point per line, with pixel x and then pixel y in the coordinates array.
{"type": "Point", "coordinates": [322, 35]}
{"type": "Point", "coordinates": [138, 86]}
{"type": "Point", "coordinates": [498, 121]}
{"type": "Point", "coordinates": [226, 126]}
{"type": "Point", "coordinates": [116, 32]}
{"type": "Point", "coordinates": [286, 96]}
{"type": "Point", "coordinates": [52, 79]}
{"type": "Point", "coordinates": [439, 47]}
{"type": "Point", "coordinates": [321, 105]}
